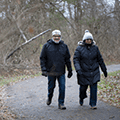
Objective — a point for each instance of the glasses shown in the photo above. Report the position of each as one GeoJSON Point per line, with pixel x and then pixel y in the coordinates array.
{"type": "Point", "coordinates": [89, 39]}
{"type": "Point", "coordinates": [56, 36]}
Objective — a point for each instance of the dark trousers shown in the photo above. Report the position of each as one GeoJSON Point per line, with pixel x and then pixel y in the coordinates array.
{"type": "Point", "coordinates": [52, 84]}
{"type": "Point", "coordinates": [93, 93]}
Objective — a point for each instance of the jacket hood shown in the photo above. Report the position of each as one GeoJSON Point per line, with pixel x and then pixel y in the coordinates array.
{"type": "Point", "coordinates": [82, 43]}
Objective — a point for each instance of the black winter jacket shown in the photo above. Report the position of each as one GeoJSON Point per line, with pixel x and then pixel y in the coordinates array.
{"type": "Point", "coordinates": [54, 57]}
{"type": "Point", "coordinates": [87, 60]}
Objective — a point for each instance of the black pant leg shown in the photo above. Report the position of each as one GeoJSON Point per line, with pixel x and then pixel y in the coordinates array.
{"type": "Point", "coordinates": [82, 91]}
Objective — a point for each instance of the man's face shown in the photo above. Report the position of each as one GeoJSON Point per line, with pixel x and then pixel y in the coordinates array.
{"type": "Point", "coordinates": [56, 38]}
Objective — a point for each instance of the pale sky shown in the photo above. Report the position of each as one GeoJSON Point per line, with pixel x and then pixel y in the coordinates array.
{"type": "Point", "coordinates": [111, 1]}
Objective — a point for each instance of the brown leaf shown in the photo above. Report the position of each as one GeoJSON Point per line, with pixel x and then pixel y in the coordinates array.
{"type": "Point", "coordinates": [18, 1]}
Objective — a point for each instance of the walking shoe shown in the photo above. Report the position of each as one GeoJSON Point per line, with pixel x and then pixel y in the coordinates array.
{"type": "Point", "coordinates": [48, 102]}
{"type": "Point", "coordinates": [61, 106]}
{"type": "Point", "coordinates": [81, 102]}
{"type": "Point", "coordinates": [93, 107]}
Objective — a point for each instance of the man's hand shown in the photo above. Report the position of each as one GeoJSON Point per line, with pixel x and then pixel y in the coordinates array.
{"type": "Point", "coordinates": [44, 73]}
{"type": "Point", "coordinates": [105, 73]}
{"type": "Point", "coordinates": [69, 74]}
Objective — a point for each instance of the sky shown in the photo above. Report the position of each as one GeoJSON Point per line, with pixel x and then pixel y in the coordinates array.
{"type": "Point", "coordinates": [111, 1]}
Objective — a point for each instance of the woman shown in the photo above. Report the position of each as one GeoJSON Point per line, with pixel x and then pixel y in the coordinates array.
{"type": "Point", "coordinates": [87, 59]}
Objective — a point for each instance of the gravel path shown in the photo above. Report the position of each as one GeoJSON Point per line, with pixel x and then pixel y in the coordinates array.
{"type": "Point", "coordinates": [27, 99]}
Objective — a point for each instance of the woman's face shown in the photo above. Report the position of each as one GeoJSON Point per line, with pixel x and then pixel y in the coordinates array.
{"type": "Point", "coordinates": [88, 41]}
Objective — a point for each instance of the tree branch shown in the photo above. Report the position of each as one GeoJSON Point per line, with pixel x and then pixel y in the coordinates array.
{"type": "Point", "coordinates": [64, 17]}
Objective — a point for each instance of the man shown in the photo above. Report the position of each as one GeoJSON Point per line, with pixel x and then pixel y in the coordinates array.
{"type": "Point", "coordinates": [87, 59]}
{"type": "Point", "coordinates": [53, 59]}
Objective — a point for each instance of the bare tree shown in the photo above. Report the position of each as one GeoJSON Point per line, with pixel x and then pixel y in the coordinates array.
{"type": "Point", "coordinates": [21, 20]}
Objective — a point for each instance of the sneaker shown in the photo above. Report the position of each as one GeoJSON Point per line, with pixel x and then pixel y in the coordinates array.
{"type": "Point", "coordinates": [93, 107]}
{"type": "Point", "coordinates": [48, 102]}
{"type": "Point", "coordinates": [61, 106]}
{"type": "Point", "coordinates": [81, 102]}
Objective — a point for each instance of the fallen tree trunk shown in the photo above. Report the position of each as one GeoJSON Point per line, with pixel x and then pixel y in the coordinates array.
{"type": "Point", "coordinates": [28, 41]}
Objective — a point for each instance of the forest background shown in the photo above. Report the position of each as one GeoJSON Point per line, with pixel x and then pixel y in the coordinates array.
{"type": "Point", "coordinates": [20, 19]}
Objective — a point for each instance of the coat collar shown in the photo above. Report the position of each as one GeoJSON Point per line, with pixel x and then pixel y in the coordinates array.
{"type": "Point", "coordinates": [51, 41]}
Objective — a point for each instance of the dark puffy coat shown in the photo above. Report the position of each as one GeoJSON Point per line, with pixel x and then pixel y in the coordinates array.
{"type": "Point", "coordinates": [87, 60]}
{"type": "Point", "coordinates": [54, 57]}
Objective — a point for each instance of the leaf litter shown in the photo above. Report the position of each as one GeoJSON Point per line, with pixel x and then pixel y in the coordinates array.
{"type": "Point", "coordinates": [109, 89]}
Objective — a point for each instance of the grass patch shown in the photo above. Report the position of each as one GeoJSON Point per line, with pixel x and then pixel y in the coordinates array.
{"type": "Point", "coordinates": [13, 79]}
{"type": "Point", "coordinates": [116, 73]}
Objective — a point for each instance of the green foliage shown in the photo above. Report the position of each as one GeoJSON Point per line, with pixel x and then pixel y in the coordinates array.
{"type": "Point", "coordinates": [114, 73]}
